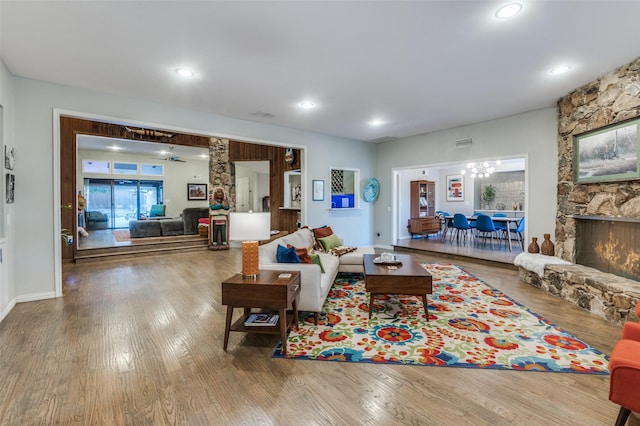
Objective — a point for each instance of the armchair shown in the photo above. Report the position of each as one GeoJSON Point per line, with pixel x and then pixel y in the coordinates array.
{"type": "Point", "coordinates": [624, 368]}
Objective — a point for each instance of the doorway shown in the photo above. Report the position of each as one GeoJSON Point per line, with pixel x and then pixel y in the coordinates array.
{"type": "Point", "coordinates": [252, 186]}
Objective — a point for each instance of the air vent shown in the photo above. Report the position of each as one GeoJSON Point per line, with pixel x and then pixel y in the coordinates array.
{"type": "Point", "coordinates": [462, 143]}
{"type": "Point", "coordinates": [263, 114]}
{"type": "Point", "coordinates": [384, 139]}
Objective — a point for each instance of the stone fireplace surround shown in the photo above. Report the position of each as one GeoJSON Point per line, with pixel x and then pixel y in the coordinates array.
{"type": "Point", "coordinates": [610, 99]}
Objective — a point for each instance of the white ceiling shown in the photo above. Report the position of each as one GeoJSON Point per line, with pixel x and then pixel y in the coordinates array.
{"type": "Point", "coordinates": [157, 151]}
{"type": "Point", "coordinates": [419, 66]}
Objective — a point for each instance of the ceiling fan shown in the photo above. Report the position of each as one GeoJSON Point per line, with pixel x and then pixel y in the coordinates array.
{"type": "Point", "coordinates": [171, 157]}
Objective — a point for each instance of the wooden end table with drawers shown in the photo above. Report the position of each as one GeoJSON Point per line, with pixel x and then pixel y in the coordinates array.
{"type": "Point", "coordinates": [270, 291]}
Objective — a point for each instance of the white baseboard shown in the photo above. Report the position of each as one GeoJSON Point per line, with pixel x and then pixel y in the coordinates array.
{"type": "Point", "coordinates": [36, 296]}
{"type": "Point", "coordinates": [8, 309]}
{"type": "Point", "coordinates": [383, 246]}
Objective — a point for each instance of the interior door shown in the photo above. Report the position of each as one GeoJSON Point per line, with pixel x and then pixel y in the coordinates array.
{"type": "Point", "coordinates": [242, 195]}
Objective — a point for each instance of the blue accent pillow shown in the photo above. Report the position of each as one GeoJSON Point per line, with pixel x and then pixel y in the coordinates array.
{"type": "Point", "coordinates": [287, 255]}
{"type": "Point", "coordinates": [156, 210]}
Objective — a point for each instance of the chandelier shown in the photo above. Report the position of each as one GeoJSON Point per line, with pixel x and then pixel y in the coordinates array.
{"type": "Point", "coordinates": [481, 170]}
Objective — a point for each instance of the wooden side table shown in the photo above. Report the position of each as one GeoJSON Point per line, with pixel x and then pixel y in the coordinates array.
{"type": "Point", "coordinates": [269, 291]}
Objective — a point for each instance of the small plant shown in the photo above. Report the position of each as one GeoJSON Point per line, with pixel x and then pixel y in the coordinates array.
{"type": "Point", "coordinates": [488, 194]}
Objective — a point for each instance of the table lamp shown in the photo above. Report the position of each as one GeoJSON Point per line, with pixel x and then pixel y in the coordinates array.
{"type": "Point", "coordinates": [249, 228]}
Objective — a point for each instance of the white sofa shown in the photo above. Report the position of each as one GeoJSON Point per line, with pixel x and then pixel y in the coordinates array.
{"type": "Point", "coordinates": [314, 285]}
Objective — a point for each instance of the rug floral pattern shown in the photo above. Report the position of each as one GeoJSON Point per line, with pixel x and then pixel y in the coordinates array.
{"type": "Point", "coordinates": [470, 325]}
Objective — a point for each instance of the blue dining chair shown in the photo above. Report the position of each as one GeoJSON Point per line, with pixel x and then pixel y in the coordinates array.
{"type": "Point", "coordinates": [499, 225]}
{"type": "Point", "coordinates": [472, 222]}
{"type": "Point", "coordinates": [486, 227]}
{"type": "Point", "coordinates": [460, 225]}
{"type": "Point", "coordinates": [519, 231]}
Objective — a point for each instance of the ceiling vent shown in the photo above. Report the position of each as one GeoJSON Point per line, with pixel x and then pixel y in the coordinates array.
{"type": "Point", "coordinates": [384, 139]}
{"type": "Point", "coordinates": [263, 114]}
{"type": "Point", "coordinates": [462, 143]}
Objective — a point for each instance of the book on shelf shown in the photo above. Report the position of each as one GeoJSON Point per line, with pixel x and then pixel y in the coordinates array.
{"type": "Point", "coordinates": [259, 319]}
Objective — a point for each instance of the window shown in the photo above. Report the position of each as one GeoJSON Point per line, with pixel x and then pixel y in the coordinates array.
{"type": "Point", "coordinates": [125, 168]}
{"type": "Point", "coordinates": [152, 169]}
{"type": "Point", "coordinates": [344, 183]}
{"type": "Point", "coordinates": [112, 203]}
{"type": "Point", "coordinates": [93, 166]}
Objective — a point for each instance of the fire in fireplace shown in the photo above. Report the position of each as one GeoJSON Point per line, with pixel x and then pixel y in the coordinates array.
{"type": "Point", "coordinates": [609, 244]}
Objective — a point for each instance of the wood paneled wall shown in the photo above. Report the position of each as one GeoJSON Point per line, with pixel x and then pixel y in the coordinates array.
{"type": "Point", "coordinates": [70, 127]}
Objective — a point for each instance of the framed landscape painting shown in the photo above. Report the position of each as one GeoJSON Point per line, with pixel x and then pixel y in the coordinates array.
{"type": "Point", "coordinates": [608, 154]}
{"type": "Point", "coordinates": [455, 188]}
{"type": "Point", "coordinates": [196, 191]}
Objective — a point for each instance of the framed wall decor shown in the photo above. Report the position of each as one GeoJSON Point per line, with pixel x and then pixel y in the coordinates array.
{"type": "Point", "coordinates": [196, 191]}
{"type": "Point", "coordinates": [9, 158]}
{"type": "Point", "coordinates": [318, 190]}
{"type": "Point", "coordinates": [10, 187]}
{"type": "Point", "coordinates": [608, 154]}
{"type": "Point", "coordinates": [455, 188]}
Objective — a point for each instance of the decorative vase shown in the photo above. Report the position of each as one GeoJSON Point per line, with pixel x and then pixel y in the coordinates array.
{"type": "Point", "coordinates": [533, 247]}
{"type": "Point", "coordinates": [547, 246]}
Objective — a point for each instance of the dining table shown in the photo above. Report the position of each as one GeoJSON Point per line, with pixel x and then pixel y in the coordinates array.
{"type": "Point", "coordinates": [448, 220]}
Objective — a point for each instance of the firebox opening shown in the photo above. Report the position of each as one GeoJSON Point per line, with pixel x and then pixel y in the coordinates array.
{"type": "Point", "coordinates": [609, 245]}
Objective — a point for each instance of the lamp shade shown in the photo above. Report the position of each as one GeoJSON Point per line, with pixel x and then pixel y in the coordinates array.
{"type": "Point", "coordinates": [249, 226]}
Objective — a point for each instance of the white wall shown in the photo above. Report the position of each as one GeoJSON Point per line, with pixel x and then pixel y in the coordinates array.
{"type": "Point", "coordinates": [34, 103]}
{"type": "Point", "coordinates": [176, 177]}
{"type": "Point", "coordinates": [531, 135]}
{"type": "Point", "coordinates": [29, 106]}
{"type": "Point", "coordinates": [7, 233]}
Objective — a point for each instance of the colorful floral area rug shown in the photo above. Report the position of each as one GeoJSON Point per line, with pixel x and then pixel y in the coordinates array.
{"type": "Point", "coordinates": [470, 325]}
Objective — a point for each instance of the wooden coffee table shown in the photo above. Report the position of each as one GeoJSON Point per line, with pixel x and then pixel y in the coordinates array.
{"type": "Point", "coordinates": [408, 278]}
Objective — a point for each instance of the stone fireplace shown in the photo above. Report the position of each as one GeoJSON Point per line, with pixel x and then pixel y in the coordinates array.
{"type": "Point", "coordinates": [597, 224]}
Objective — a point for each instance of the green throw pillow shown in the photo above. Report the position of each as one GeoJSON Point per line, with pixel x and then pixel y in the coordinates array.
{"type": "Point", "coordinates": [315, 258]}
{"type": "Point", "coordinates": [330, 242]}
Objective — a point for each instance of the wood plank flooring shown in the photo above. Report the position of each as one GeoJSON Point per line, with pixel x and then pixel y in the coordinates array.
{"type": "Point", "coordinates": [140, 342]}
{"type": "Point", "coordinates": [474, 249]}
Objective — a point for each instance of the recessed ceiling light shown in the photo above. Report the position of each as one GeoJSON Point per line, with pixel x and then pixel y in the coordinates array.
{"type": "Point", "coordinates": [508, 10]}
{"type": "Point", "coordinates": [115, 148]}
{"type": "Point", "coordinates": [184, 72]}
{"type": "Point", "coordinates": [560, 69]}
{"type": "Point", "coordinates": [307, 105]}
{"type": "Point", "coordinates": [376, 122]}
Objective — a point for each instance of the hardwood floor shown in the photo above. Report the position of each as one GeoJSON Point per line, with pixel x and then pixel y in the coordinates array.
{"type": "Point", "coordinates": [474, 249]}
{"type": "Point", "coordinates": [140, 342]}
